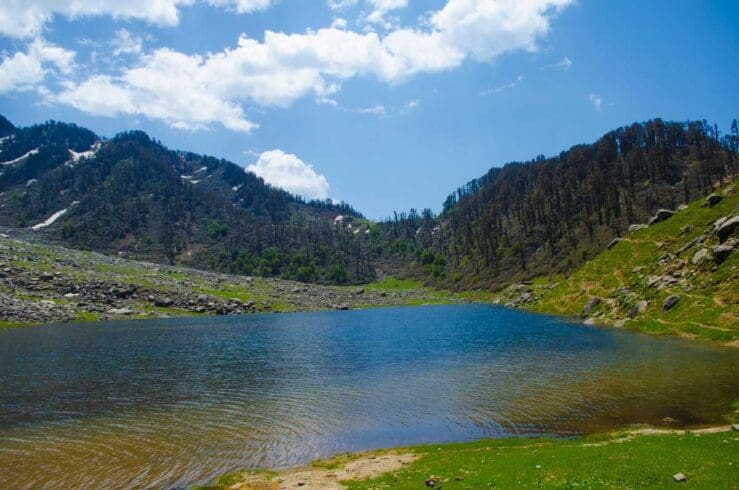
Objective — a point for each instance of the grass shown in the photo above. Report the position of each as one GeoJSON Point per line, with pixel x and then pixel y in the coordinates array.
{"type": "Point", "coordinates": [612, 461]}
{"type": "Point", "coordinates": [708, 308]}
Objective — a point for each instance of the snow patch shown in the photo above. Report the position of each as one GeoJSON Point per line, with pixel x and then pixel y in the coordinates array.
{"type": "Point", "coordinates": [236, 187]}
{"type": "Point", "coordinates": [201, 169]}
{"type": "Point", "coordinates": [31, 182]}
{"type": "Point", "coordinates": [20, 158]}
{"type": "Point", "coordinates": [52, 218]}
{"type": "Point", "coordinates": [75, 156]}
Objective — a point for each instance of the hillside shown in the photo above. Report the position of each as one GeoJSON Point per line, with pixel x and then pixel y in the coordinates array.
{"type": "Point", "coordinates": [679, 276]}
{"type": "Point", "coordinates": [550, 215]}
{"type": "Point", "coordinates": [133, 197]}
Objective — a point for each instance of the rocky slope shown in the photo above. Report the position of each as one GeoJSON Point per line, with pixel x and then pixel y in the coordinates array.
{"type": "Point", "coordinates": [677, 274]}
{"type": "Point", "coordinates": [42, 283]}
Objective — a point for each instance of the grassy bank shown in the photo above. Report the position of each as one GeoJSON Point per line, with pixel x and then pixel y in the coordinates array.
{"type": "Point", "coordinates": [628, 284]}
{"type": "Point", "coordinates": [634, 459]}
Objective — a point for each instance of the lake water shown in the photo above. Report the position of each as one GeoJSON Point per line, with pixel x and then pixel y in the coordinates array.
{"type": "Point", "coordinates": [176, 402]}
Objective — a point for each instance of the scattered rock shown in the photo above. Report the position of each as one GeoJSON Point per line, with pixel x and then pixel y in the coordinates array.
{"type": "Point", "coordinates": [686, 229]}
{"type": "Point", "coordinates": [727, 228]}
{"type": "Point", "coordinates": [721, 252]}
{"type": "Point", "coordinates": [701, 256]}
{"type": "Point", "coordinates": [591, 321]}
{"type": "Point", "coordinates": [670, 302]}
{"type": "Point", "coordinates": [680, 478]}
{"type": "Point", "coordinates": [639, 307]}
{"type": "Point", "coordinates": [432, 482]}
{"type": "Point", "coordinates": [636, 227]}
{"type": "Point", "coordinates": [120, 311]}
{"type": "Point", "coordinates": [712, 200]}
{"type": "Point", "coordinates": [735, 427]}
{"type": "Point", "coordinates": [682, 207]}
{"type": "Point", "coordinates": [661, 215]}
{"type": "Point", "coordinates": [592, 303]}
{"type": "Point", "coordinates": [163, 302]}
{"type": "Point", "coordinates": [614, 242]}
{"type": "Point", "coordinates": [619, 323]}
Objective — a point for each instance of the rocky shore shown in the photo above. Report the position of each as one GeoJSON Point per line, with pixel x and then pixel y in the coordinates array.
{"type": "Point", "coordinates": [42, 283]}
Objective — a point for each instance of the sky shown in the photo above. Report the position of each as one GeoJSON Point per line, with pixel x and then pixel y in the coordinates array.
{"type": "Point", "coordinates": [385, 104]}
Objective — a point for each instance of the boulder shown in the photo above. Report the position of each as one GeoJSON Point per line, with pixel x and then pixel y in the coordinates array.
{"type": "Point", "coordinates": [680, 478]}
{"type": "Point", "coordinates": [712, 200]}
{"type": "Point", "coordinates": [701, 256]}
{"type": "Point", "coordinates": [670, 302]}
{"type": "Point", "coordinates": [163, 302]}
{"type": "Point", "coordinates": [639, 307]}
{"type": "Point", "coordinates": [614, 242]}
{"type": "Point", "coordinates": [120, 311]}
{"type": "Point", "coordinates": [590, 321]}
{"type": "Point", "coordinates": [721, 252]}
{"type": "Point", "coordinates": [686, 229]}
{"type": "Point", "coordinates": [661, 215]}
{"type": "Point", "coordinates": [592, 303]}
{"type": "Point", "coordinates": [727, 228]}
{"type": "Point", "coordinates": [633, 228]}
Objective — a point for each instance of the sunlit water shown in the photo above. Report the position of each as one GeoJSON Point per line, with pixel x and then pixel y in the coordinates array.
{"type": "Point", "coordinates": [177, 402]}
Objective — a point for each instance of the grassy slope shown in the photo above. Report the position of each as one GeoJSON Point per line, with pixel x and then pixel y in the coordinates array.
{"type": "Point", "coordinates": [708, 461]}
{"type": "Point", "coordinates": [709, 296]}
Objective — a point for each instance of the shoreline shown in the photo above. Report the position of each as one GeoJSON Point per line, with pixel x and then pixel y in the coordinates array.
{"type": "Point", "coordinates": [459, 465]}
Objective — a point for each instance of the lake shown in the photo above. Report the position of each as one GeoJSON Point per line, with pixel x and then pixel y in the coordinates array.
{"type": "Point", "coordinates": [176, 402]}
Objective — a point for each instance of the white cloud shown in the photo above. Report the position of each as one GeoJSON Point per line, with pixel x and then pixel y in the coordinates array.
{"type": "Point", "coordinates": [193, 91]}
{"type": "Point", "coordinates": [597, 101]}
{"type": "Point", "coordinates": [501, 88]}
{"type": "Point", "coordinates": [564, 64]}
{"type": "Point", "coordinates": [27, 18]}
{"type": "Point", "coordinates": [243, 6]}
{"type": "Point", "coordinates": [380, 8]}
{"type": "Point", "coordinates": [125, 43]}
{"type": "Point", "coordinates": [289, 172]}
{"type": "Point", "coordinates": [340, 4]}
{"type": "Point", "coordinates": [27, 70]}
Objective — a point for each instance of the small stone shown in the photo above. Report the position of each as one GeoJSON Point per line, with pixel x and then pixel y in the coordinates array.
{"type": "Point", "coordinates": [686, 229]}
{"type": "Point", "coordinates": [701, 256]}
{"type": "Point", "coordinates": [431, 482]}
{"type": "Point", "coordinates": [590, 321]}
{"type": "Point", "coordinates": [670, 302]}
{"type": "Point", "coordinates": [735, 427]}
{"type": "Point", "coordinates": [614, 242]}
{"type": "Point", "coordinates": [712, 200]}
{"type": "Point", "coordinates": [680, 478]}
{"type": "Point", "coordinates": [592, 302]}
{"type": "Point", "coordinates": [726, 228]}
{"type": "Point", "coordinates": [721, 252]}
{"type": "Point", "coordinates": [639, 307]}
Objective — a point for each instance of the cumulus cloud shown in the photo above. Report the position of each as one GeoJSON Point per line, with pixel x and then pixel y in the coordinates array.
{"type": "Point", "coordinates": [193, 91]}
{"type": "Point", "coordinates": [26, 70]}
{"type": "Point", "coordinates": [126, 43]}
{"type": "Point", "coordinates": [27, 18]}
{"type": "Point", "coordinates": [380, 9]}
{"type": "Point", "coordinates": [289, 172]}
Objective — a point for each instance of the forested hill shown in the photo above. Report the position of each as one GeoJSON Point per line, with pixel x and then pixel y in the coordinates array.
{"type": "Point", "coordinates": [132, 196]}
{"type": "Point", "coordinates": [548, 215]}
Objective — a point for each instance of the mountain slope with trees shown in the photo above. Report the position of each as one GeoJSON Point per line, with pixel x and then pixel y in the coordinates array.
{"type": "Point", "coordinates": [132, 196]}
{"type": "Point", "coordinates": [550, 215]}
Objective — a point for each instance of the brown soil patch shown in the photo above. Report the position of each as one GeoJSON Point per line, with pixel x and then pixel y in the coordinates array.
{"type": "Point", "coordinates": [317, 478]}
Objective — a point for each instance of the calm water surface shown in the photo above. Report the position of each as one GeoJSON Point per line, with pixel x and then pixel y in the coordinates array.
{"type": "Point", "coordinates": [177, 402]}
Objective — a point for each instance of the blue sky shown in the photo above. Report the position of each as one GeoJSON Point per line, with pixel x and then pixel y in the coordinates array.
{"type": "Point", "coordinates": [386, 104]}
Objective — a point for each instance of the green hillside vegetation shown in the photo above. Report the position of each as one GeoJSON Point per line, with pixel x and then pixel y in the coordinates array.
{"type": "Point", "coordinates": [628, 284]}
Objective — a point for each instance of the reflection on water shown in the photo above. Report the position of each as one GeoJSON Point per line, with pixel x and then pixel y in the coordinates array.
{"type": "Point", "coordinates": [177, 402]}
